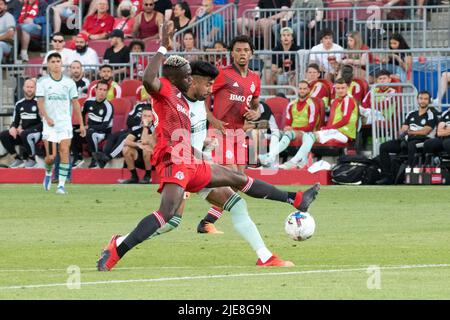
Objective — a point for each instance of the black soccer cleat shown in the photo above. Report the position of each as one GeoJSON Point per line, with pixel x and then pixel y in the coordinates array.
{"type": "Point", "coordinates": [101, 158]}
{"type": "Point", "coordinates": [304, 199]}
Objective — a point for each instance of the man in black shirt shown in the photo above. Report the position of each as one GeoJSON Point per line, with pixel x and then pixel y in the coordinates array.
{"type": "Point", "coordinates": [76, 73]}
{"type": "Point", "coordinates": [26, 128]}
{"type": "Point", "coordinates": [118, 52]}
{"type": "Point", "coordinates": [442, 142]}
{"type": "Point", "coordinates": [418, 127]}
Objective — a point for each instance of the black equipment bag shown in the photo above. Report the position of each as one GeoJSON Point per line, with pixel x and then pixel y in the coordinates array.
{"type": "Point", "coordinates": [356, 170]}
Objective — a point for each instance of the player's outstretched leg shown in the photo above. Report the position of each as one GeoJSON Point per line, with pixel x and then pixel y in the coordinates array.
{"type": "Point", "coordinates": [222, 176]}
{"type": "Point", "coordinates": [171, 198]}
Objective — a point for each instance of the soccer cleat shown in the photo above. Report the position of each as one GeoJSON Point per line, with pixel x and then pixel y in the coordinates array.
{"type": "Point", "coordinates": [146, 180]}
{"type": "Point", "coordinates": [17, 163]}
{"type": "Point", "coordinates": [274, 261]}
{"type": "Point", "coordinates": [47, 183]}
{"type": "Point", "coordinates": [288, 165]}
{"type": "Point", "coordinates": [109, 257]}
{"type": "Point", "coordinates": [207, 227]}
{"type": "Point", "coordinates": [61, 190]}
{"type": "Point", "coordinates": [30, 163]}
{"type": "Point", "coordinates": [129, 181]}
{"type": "Point", "coordinates": [101, 158]}
{"type": "Point", "coordinates": [303, 200]}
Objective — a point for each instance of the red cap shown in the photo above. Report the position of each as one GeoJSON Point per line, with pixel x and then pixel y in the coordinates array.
{"type": "Point", "coordinates": [83, 36]}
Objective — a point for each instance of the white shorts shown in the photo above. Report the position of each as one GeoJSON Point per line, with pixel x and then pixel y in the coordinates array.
{"type": "Point", "coordinates": [56, 135]}
{"type": "Point", "coordinates": [331, 134]}
{"type": "Point", "coordinates": [204, 193]}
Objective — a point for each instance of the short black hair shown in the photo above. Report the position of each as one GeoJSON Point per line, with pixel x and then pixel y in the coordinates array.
{"type": "Point", "coordinates": [241, 38]}
{"type": "Point", "coordinates": [326, 32]}
{"type": "Point", "coordinates": [137, 43]}
{"type": "Point", "coordinates": [53, 55]}
{"type": "Point", "coordinates": [60, 34]}
{"type": "Point", "coordinates": [304, 81]}
{"type": "Point", "coordinates": [102, 82]}
{"type": "Point", "coordinates": [382, 72]}
{"type": "Point", "coordinates": [147, 106]}
{"type": "Point", "coordinates": [204, 69]}
{"type": "Point", "coordinates": [314, 66]}
{"type": "Point", "coordinates": [105, 66]}
{"type": "Point", "coordinates": [340, 81]}
{"type": "Point", "coordinates": [189, 32]}
{"type": "Point", "coordinates": [424, 92]}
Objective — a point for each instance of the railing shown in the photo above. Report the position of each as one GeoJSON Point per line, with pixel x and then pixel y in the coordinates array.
{"type": "Point", "coordinates": [202, 28]}
{"type": "Point", "coordinates": [370, 21]}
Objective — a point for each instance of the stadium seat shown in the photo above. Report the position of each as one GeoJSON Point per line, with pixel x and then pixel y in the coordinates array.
{"type": "Point", "coordinates": [129, 87]}
{"type": "Point", "coordinates": [122, 106]}
{"type": "Point", "coordinates": [278, 106]}
{"type": "Point", "coordinates": [100, 46]}
{"type": "Point", "coordinates": [33, 72]}
{"type": "Point", "coordinates": [337, 15]}
{"type": "Point", "coordinates": [151, 45]}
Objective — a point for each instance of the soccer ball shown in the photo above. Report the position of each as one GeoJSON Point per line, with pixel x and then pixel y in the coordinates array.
{"type": "Point", "coordinates": [299, 225]}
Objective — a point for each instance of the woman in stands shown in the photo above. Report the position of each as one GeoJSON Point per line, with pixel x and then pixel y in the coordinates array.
{"type": "Point", "coordinates": [357, 60]}
{"type": "Point", "coordinates": [189, 46]}
{"type": "Point", "coordinates": [181, 15]}
{"type": "Point", "coordinates": [125, 18]}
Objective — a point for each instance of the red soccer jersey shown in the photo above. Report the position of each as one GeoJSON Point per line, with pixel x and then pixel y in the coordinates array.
{"type": "Point", "coordinates": [173, 130]}
{"type": "Point", "coordinates": [95, 25]}
{"type": "Point", "coordinates": [366, 102]}
{"type": "Point", "coordinates": [319, 90]}
{"type": "Point", "coordinates": [232, 94]}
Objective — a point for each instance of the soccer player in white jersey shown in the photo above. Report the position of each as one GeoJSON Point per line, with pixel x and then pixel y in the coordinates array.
{"type": "Point", "coordinates": [57, 94]}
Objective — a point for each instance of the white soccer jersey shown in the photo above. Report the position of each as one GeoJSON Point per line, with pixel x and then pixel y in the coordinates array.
{"type": "Point", "coordinates": [58, 95]}
{"type": "Point", "coordinates": [197, 114]}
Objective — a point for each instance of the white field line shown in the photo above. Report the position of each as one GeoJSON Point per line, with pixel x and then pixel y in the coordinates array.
{"type": "Point", "coordinates": [222, 276]}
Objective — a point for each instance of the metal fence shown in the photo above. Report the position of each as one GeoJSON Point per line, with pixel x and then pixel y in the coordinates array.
{"type": "Point", "coordinates": [372, 21]}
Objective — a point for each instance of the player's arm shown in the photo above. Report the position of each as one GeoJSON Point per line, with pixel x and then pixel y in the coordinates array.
{"type": "Point", "coordinates": [422, 132]}
{"type": "Point", "coordinates": [77, 109]}
{"type": "Point", "coordinates": [43, 112]}
{"type": "Point", "coordinates": [151, 80]}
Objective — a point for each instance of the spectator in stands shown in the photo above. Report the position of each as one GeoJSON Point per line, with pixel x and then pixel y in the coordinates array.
{"type": "Point", "coordinates": [114, 143]}
{"type": "Point", "coordinates": [263, 22]}
{"type": "Point", "coordinates": [147, 23]}
{"type": "Point", "coordinates": [302, 116]}
{"type": "Point", "coordinates": [98, 25]}
{"type": "Point", "coordinates": [164, 7]}
{"type": "Point", "coordinates": [118, 52]}
{"type": "Point", "coordinates": [125, 18]}
{"type": "Point", "coordinates": [65, 10]}
{"type": "Point", "coordinates": [137, 149]}
{"type": "Point", "coordinates": [218, 60]}
{"type": "Point", "coordinates": [357, 60]}
{"type": "Point", "coordinates": [319, 87]}
{"type": "Point", "coordinates": [442, 88]}
{"type": "Point", "coordinates": [139, 62]}
{"type": "Point", "coordinates": [7, 30]}
{"type": "Point", "coordinates": [26, 128]}
{"type": "Point", "coordinates": [442, 142]}
{"type": "Point", "coordinates": [306, 21]}
{"type": "Point", "coordinates": [416, 129]}
{"type": "Point", "coordinates": [283, 69]}
{"type": "Point", "coordinates": [181, 15]}
{"type": "Point", "coordinates": [341, 125]}
{"type": "Point", "coordinates": [106, 75]}
{"type": "Point", "coordinates": [31, 10]}
{"type": "Point", "coordinates": [58, 44]}
{"type": "Point", "coordinates": [189, 46]}
{"type": "Point", "coordinates": [328, 62]}
{"type": "Point", "coordinates": [99, 121]}
{"type": "Point", "coordinates": [213, 26]}
{"type": "Point", "coordinates": [77, 75]}
{"type": "Point", "coordinates": [87, 56]}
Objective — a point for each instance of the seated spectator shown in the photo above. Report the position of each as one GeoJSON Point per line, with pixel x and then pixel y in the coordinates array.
{"type": "Point", "coordinates": [99, 121]}
{"type": "Point", "coordinates": [26, 128]}
{"type": "Point", "coordinates": [357, 60]}
{"type": "Point", "coordinates": [28, 28]}
{"type": "Point", "coordinates": [302, 116]}
{"type": "Point", "coordinates": [77, 75]}
{"type": "Point", "coordinates": [328, 62]}
{"type": "Point", "coordinates": [319, 88]}
{"type": "Point", "coordinates": [106, 75]}
{"type": "Point", "coordinates": [139, 62]}
{"type": "Point", "coordinates": [442, 88]}
{"type": "Point", "coordinates": [385, 104]}
{"type": "Point", "coordinates": [341, 126]}
{"type": "Point", "coordinates": [125, 18]}
{"type": "Point", "coordinates": [87, 56]}
{"type": "Point", "coordinates": [189, 46]}
{"type": "Point", "coordinates": [7, 31]}
{"type": "Point", "coordinates": [114, 143]}
{"type": "Point", "coordinates": [58, 44]}
{"type": "Point", "coordinates": [433, 147]}
{"type": "Point", "coordinates": [417, 128]}
{"type": "Point", "coordinates": [181, 15]}
{"type": "Point", "coordinates": [219, 60]}
{"type": "Point", "coordinates": [213, 26]}
{"type": "Point", "coordinates": [137, 149]}
{"type": "Point", "coordinates": [65, 10]}
{"type": "Point", "coordinates": [304, 21]}
{"type": "Point", "coordinates": [263, 22]}
{"type": "Point", "coordinates": [283, 70]}
{"type": "Point", "coordinates": [118, 52]}
{"type": "Point", "coordinates": [398, 63]}
{"type": "Point", "coordinates": [98, 25]}
{"type": "Point", "coordinates": [146, 24]}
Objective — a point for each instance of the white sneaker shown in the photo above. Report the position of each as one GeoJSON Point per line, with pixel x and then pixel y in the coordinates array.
{"type": "Point", "coordinates": [30, 164]}
{"type": "Point", "coordinates": [24, 56]}
{"type": "Point", "coordinates": [288, 165]}
{"type": "Point", "coordinates": [61, 190]}
{"type": "Point", "coordinates": [17, 164]}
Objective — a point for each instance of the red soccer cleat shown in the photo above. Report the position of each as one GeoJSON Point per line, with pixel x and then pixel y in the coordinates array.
{"type": "Point", "coordinates": [304, 199]}
{"type": "Point", "coordinates": [109, 257]}
{"type": "Point", "coordinates": [274, 261]}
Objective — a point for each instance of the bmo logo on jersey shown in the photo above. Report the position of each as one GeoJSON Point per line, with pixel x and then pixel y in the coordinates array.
{"type": "Point", "coordinates": [235, 97]}
{"type": "Point", "coordinates": [182, 109]}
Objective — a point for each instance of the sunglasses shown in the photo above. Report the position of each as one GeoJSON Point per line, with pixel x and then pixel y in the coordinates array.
{"type": "Point", "coordinates": [149, 4]}
{"type": "Point", "coordinates": [59, 41]}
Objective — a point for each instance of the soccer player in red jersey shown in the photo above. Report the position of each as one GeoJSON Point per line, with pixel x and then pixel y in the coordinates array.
{"type": "Point", "coordinates": [174, 161]}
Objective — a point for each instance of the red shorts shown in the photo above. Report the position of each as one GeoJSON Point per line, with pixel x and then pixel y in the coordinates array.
{"type": "Point", "coordinates": [231, 150]}
{"type": "Point", "coordinates": [191, 177]}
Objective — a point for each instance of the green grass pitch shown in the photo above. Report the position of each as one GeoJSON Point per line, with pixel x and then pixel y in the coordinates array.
{"type": "Point", "coordinates": [370, 243]}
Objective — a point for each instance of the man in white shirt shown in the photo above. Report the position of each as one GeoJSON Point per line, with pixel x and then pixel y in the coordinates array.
{"type": "Point", "coordinates": [87, 56]}
{"type": "Point", "coordinates": [58, 44]}
{"type": "Point", "coordinates": [328, 62]}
